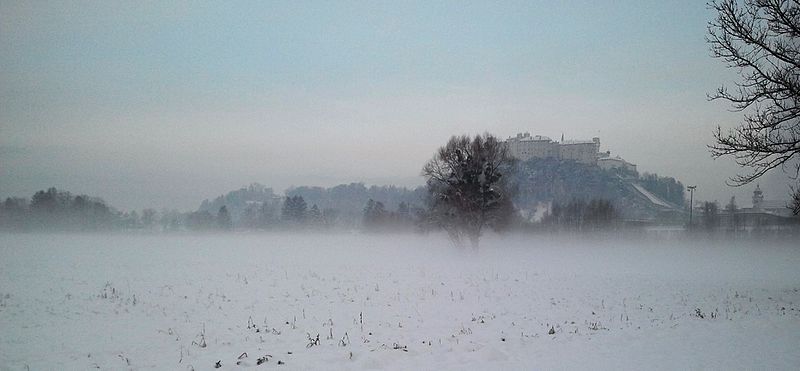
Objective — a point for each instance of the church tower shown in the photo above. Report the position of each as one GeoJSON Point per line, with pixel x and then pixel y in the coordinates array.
{"type": "Point", "coordinates": [758, 197]}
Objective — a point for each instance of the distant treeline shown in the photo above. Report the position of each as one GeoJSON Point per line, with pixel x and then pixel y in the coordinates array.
{"type": "Point", "coordinates": [60, 210]}
{"type": "Point", "coordinates": [259, 208]}
{"type": "Point", "coordinates": [576, 197]}
{"type": "Point", "coordinates": [255, 207]}
{"type": "Point", "coordinates": [345, 206]}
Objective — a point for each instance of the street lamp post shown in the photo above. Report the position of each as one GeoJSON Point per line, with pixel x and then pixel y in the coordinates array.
{"type": "Point", "coordinates": [691, 203]}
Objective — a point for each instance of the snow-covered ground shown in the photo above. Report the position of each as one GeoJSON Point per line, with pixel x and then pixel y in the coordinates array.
{"type": "Point", "coordinates": [182, 302]}
{"type": "Point", "coordinates": [650, 196]}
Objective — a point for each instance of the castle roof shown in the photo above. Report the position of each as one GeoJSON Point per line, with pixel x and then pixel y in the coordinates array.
{"type": "Point", "coordinates": [528, 138]}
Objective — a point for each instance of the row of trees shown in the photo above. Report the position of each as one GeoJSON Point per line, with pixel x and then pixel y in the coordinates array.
{"type": "Point", "coordinates": [58, 210]}
{"type": "Point", "coordinates": [377, 218]}
{"type": "Point", "coordinates": [341, 206]}
{"type": "Point", "coordinates": [468, 189]}
{"type": "Point", "coordinates": [293, 212]}
{"type": "Point", "coordinates": [205, 220]}
{"type": "Point", "coordinates": [54, 209]}
{"type": "Point", "coordinates": [349, 200]}
{"type": "Point", "coordinates": [579, 215]}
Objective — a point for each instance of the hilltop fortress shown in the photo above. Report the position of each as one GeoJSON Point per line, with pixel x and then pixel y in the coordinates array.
{"type": "Point", "coordinates": [523, 146]}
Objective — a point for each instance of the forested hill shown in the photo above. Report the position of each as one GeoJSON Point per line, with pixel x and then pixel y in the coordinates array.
{"type": "Point", "coordinates": [536, 182]}
{"type": "Point", "coordinates": [541, 181]}
{"type": "Point", "coordinates": [238, 200]}
{"type": "Point", "coordinates": [349, 200]}
{"type": "Point", "coordinates": [346, 200]}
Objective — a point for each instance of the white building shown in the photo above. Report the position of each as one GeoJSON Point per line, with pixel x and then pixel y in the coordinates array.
{"type": "Point", "coordinates": [583, 151]}
{"type": "Point", "coordinates": [608, 163]}
{"type": "Point", "coordinates": [525, 147]}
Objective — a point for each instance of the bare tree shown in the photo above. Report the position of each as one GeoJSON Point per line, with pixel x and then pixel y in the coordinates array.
{"type": "Point", "coordinates": [795, 203]}
{"type": "Point", "coordinates": [466, 187]}
{"type": "Point", "coordinates": [760, 39]}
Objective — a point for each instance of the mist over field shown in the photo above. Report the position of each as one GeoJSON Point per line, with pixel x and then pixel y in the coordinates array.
{"type": "Point", "coordinates": [344, 301]}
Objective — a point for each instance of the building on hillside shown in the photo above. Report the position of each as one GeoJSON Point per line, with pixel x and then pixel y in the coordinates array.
{"type": "Point", "coordinates": [525, 147]}
{"type": "Point", "coordinates": [583, 151]}
{"type": "Point", "coordinates": [608, 163]}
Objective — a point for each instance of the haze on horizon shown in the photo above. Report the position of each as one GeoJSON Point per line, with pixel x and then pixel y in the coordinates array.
{"type": "Point", "coordinates": [165, 104]}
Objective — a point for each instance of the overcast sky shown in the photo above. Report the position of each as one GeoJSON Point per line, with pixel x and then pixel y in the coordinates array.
{"type": "Point", "coordinates": [151, 104]}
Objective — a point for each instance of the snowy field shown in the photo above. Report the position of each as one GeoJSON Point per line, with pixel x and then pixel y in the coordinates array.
{"type": "Point", "coordinates": [261, 301]}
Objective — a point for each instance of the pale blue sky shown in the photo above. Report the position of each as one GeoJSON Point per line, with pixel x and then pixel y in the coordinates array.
{"type": "Point", "coordinates": [155, 103]}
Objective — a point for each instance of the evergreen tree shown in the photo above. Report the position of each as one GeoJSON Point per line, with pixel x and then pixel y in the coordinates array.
{"type": "Point", "coordinates": [301, 209]}
{"type": "Point", "coordinates": [13, 213]}
{"type": "Point", "coordinates": [201, 220]}
{"type": "Point", "coordinates": [330, 217]}
{"type": "Point", "coordinates": [379, 215]}
{"type": "Point", "coordinates": [403, 216]}
{"type": "Point", "coordinates": [367, 217]}
{"type": "Point", "coordinates": [224, 218]}
{"type": "Point", "coordinates": [375, 215]}
{"type": "Point", "coordinates": [266, 215]}
{"type": "Point", "coordinates": [286, 210]}
{"type": "Point", "coordinates": [314, 216]}
{"type": "Point", "coordinates": [148, 218]}
{"type": "Point", "coordinates": [294, 210]}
